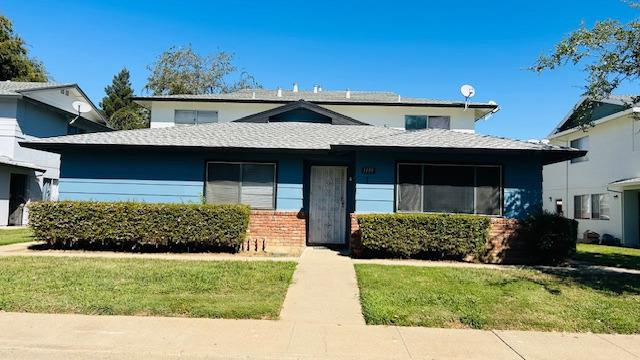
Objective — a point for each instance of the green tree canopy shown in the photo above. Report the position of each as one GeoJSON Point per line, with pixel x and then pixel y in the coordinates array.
{"type": "Point", "coordinates": [118, 106]}
{"type": "Point", "coordinates": [15, 63]}
{"type": "Point", "coordinates": [183, 71]}
{"type": "Point", "coordinates": [610, 54]}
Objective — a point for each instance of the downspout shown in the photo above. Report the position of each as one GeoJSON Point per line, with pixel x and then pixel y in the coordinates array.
{"type": "Point", "coordinates": [621, 210]}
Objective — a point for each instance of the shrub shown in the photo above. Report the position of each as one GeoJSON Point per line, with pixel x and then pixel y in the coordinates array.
{"type": "Point", "coordinates": [551, 238]}
{"type": "Point", "coordinates": [429, 235]}
{"type": "Point", "coordinates": [129, 225]}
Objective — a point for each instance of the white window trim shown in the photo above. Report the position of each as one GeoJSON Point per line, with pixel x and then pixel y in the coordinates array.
{"type": "Point", "coordinates": [397, 188]}
{"type": "Point", "coordinates": [275, 176]}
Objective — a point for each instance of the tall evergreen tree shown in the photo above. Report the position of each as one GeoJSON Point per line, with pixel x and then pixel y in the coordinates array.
{"type": "Point", "coordinates": [118, 94]}
{"type": "Point", "coordinates": [15, 63]}
{"type": "Point", "coordinates": [121, 112]}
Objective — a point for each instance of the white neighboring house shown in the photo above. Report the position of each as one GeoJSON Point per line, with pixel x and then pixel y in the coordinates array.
{"type": "Point", "coordinates": [600, 190]}
{"type": "Point", "coordinates": [387, 109]}
{"type": "Point", "coordinates": [31, 110]}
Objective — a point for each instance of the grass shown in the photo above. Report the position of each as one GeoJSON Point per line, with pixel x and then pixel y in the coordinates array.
{"type": "Point", "coordinates": [614, 256]}
{"type": "Point", "coordinates": [12, 236]}
{"type": "Point", "coordinates": [519, 299]}
{"type": "Point", "coordinates": [212, 289]}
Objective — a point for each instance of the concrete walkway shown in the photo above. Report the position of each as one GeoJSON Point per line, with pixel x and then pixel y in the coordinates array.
{"type": "Point", "coordinates": [53, 337]}
{"type": "Point", "coordinates": [324, 290]}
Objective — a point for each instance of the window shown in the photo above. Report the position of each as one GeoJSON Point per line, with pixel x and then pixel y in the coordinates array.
{"type": "Point", "coordinates": [194, 117]}
{"type": "Point", "coordinates": [581, 207]}
{"type": "Point", "coordinates": [449, 188]}
{"type": "Point", "coordinates": [582, 144]}
{"type": "Point", "coordinates": [252, 184]}
{"type": "Point", "coordinates": [559, 209]}
{"type": "Point", "coordinates": [415, 122]}
{"type": "Point", "coordinates": [49, 189]}
{"type": "Point", "coordinates": [418, 122]}
{"type": "Point", "coordinates": [439, 122]}
{"type": "Point", "coordinates": [599, 207]}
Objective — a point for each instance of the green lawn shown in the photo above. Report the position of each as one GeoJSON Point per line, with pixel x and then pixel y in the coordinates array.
{"type": "Point", "coordinates": [608, 256]}
{"type": "Point", "coordinates": [500, 299]}
{"type": "Point", "coordinates": [12, 236]}
{"type": "Point", "coordinates": [214, 289]}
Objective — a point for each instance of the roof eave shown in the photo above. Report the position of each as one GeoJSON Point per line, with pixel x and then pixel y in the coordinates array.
{"type": "Point", "coordinates": [145, 100]}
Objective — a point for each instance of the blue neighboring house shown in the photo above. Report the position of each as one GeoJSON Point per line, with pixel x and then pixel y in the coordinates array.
{"type": "Point", "coordinates": [314, 156]}
{"type": "Point", "coordinates": [30, 110]}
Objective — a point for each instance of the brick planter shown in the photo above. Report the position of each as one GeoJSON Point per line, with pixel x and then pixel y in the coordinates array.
{"type": "Point", "coordinates": [276, 231]}
{"type": "Point", "coordinates": [502, 244]}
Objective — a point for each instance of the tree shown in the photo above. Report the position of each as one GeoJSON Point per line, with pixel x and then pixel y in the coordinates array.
{"type": "Point", "coordinates": [611, 52]}
{"type": "Point", "coordinates": [129, 118]}
{"type": "Point", "coordinates": [118, 106]}
{"type": "Point", "coordinates": [15, 63]}
{"type": "Point", "coordinates": [183, 71]}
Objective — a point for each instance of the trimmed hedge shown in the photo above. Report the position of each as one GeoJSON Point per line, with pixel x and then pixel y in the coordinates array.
{"type": "Point", "coordinates": [551, 237]}
{"type": "Point", "coordinates": [428, 235]}
{"type": "Point", "coordinates": [128, 225]}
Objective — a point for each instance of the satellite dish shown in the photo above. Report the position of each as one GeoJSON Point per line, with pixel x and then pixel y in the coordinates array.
{"type": "Point", "coordinates": [81, 106]}
{"type": "Point", "coordinates": [467, 91]}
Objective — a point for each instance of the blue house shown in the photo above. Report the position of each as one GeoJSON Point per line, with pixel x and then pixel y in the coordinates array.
{"type": "Point", "coordinates": [305, 167]}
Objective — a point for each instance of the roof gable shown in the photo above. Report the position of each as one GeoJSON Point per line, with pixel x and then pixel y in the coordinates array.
{"type": "Point", "coordinates": [301, 111]}
{"type": "Point", "coordinates": [593, 111]}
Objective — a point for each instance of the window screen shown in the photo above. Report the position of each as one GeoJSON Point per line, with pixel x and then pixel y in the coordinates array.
{"type": "Point", "coordinates": [440, 122]}
{"type": "Point", "coordinates": [206, 117]}
{"type": "Point", "coordinates": [415, 122]}
{"type": "Point", "coordinates": [223, 180]}
{"type": "Point", "coordinates": [409, 187]}
{"type": "Point", "coordinates": [192, 117]}
{"type": "Point", "coordinates": [257, 185]}
{"type": "Point", "coordinates": [246, 183]}
{"type": "Point", "coordinates": [449, 188]}
{"type": "Point", "coordinates": [599, 207]}
{"type": "Point", "coordinates": [581, 207]}
{"type": "Point", "coordinates": [488, 190]}
{"type": "Point", "coordinates": [582, 144]}
{"type": "Point", "coordinates": [184, 117]}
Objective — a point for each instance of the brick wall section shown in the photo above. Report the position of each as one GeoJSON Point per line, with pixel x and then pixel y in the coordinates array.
{"type": "Point", "coordinates": [271, 230]}
{"type": "Point", "coordinates": [502, 244]}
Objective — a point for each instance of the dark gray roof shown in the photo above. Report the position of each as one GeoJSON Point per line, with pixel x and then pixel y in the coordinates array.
{"type": "Point", "coordinates": [321, 97]}
{"type": "Point", "coordinates": [265, 116]}
{"type": "Point", "coordinates": [16, 87]}
{"type": "Point", "coordinates": [295, 136]}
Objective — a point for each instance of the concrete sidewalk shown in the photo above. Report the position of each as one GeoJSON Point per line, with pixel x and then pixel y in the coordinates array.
{"type": "Point", "coordinates": [42, 336]}
{"type": "Point", "coordinates": [324, 290]}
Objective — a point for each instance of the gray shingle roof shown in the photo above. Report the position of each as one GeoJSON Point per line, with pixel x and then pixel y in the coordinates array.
{"type": "Point", "coordinates": [16, 87]}
{"type": "Point", "coordinates": [364, 97]}
{"type": "Point", "coordinates": [291, 136]}
{"type": "Point", "coordinates": [438, 138]}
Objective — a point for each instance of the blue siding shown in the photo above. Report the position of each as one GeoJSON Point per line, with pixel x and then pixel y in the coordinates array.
{"type": "Point", "coordinates": [178, 176]}
{"type": "Point", "coordinates": [522, 179]}
{"type": "Point", "coordinates": [161, 176]}
{"type": "Point", "coordinates": [37, 120]}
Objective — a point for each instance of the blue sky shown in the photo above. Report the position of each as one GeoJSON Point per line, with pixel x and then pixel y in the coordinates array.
{"type": "Point", "coordinates": [415, 48]}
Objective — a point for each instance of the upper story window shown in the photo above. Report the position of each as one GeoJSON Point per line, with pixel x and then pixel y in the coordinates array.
{"type": "Point", "coordinates": [449, 188]}
{"type": "Point", "coordinates": [194, 117]}
{"type": "Point", "coordinates": [417, 122]}
{"type": "Point", "coordinates": [582, 144]}
{"type": "Point", "coordinates": [252, 184]}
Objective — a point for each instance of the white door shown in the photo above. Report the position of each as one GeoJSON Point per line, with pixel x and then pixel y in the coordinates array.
{"type": "Point", "coordinates": [327, 204]}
